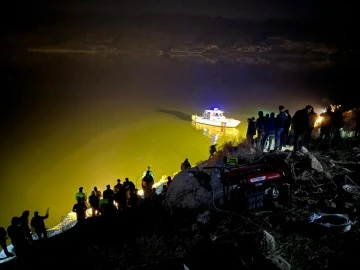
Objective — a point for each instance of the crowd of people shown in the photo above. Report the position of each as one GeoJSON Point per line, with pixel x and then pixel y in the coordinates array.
{"type": "Point", "coordinates": [283, 129]}
{"type": "Point", "coordinates": [120, 198]}
{"type": "Point", "coordinates": [20, 232]}
{"type": "Point", "coordinates": [111, 202]}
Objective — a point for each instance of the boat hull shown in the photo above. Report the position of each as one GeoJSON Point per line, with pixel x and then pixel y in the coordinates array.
{"type": "Point", "coordinates": [229, 123]}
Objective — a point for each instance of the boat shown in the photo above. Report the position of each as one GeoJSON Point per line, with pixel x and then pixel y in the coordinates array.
{"type": "Point", "coordinates": [215, 117]}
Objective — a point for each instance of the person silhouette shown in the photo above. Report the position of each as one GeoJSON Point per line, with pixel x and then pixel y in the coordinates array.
{"type": "Point", "coordinates": [24, 224]}
{"type": "Point", "coordinates": [18, 239]}
{"type": "Point", "coordinates": [185, 165]}
{"type": "Point", "coordinates": [80, 209]}
{"type": "Point", "coordinates": [38, 224]}
{"type": "Point", "coordinates": [3, 237]}
{"type": "Point", "coordinates": [212, 150]}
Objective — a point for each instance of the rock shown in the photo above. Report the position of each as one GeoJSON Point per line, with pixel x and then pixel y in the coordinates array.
{"type": "Point", "coordinates": [315, 164]}
{"type": "Point", "coordinates": [189, 190]}
{"type": "Point", "coordinates": [276, 262]}
{"type": "Point", "coordinates": [268, 243]}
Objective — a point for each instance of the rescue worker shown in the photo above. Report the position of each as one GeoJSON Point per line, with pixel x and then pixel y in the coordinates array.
{"type": "Point", "coordinates": [150, 172]}
{"type": "Point", "coordinates": [80, 195]}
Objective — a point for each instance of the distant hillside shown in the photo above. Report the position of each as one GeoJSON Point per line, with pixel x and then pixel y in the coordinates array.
{"type": "Point", "coordinates": [179, 33]}
{"type": "Point", "coordinates": [315, 30]}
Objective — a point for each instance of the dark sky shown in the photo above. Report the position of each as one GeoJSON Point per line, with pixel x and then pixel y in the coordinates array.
{"type": "Point", "coordinates": [249, 9]}
{"type": "Point", "coordinates": [255, 9]}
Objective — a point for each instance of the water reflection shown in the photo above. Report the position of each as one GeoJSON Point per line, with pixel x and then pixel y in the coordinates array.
{"type": "Point", "coordinates": [180, 115]}
{"type": "Point", "coordinates": [217, 135]}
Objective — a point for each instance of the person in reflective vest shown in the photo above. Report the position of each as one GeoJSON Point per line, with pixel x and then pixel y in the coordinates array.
{"type": "Point", "coordinates": [80, 195]}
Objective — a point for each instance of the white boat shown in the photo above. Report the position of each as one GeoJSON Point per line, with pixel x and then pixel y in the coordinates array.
{"type": "Point", "coordinates": [215, 117]}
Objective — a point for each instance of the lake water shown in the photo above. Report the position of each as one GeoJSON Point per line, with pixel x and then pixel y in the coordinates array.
{"type": "Point", "coordinates": [78, 120]}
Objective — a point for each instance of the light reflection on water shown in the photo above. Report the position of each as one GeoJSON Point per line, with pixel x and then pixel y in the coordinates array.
{"type": "Point", "coordinates": [218, 135]}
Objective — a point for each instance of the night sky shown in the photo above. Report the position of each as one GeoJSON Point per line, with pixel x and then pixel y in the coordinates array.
{"type": "Point", "coordinates": [254, 9]}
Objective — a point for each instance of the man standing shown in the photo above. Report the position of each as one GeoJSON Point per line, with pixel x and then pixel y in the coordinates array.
{"type": "Point", "coordinates": [280, 123]}
{"type": "Point", "coordinates": [251, 130]}
{"type": "Point", "coordinates": [38, 224]}
{"type": "Point", "coordinates": [260, 130]}
{"type": "Point", "coordinates": [80, 209]}
{"type": "Point", "coordinates": [147, 183]}
{"type": "Point", "coordinates": [300, 126]}
{"type": "Point", "coordinates": [3, 237]}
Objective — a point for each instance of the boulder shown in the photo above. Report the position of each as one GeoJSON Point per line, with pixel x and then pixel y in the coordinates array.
{"type": "Point", "coordinates": [191, 190]}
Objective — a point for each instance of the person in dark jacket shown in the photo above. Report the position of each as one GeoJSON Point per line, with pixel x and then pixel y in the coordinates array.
{"type": "Point", "coordinates": [24, 223]}
{"type": "Point", "coordinates": [300, 126]}
{"type": "Point", "coordinates": [185, 165]}
{"type": "Point", "coordinates": [38, 224]}
{"type": "Point", "coordinates": [286, 136]}
{"type": "Point", "coordinates": [18, 239]}
{"type": "Point", "coordinates": [251, 130]}
{"type": "Point", "coordinates": [168, 182]}
{"type": "Point", "coordinates": [80, 209]}
{"type": "Point", "coordinates": [269, 131]}
{"type": "Point", "coordinates": [260, 130]}
{"type": "Point", "coordinates": [212, 150]}
{"type": "Point", "coordinates": [280, 124]}
{"type": "Point", "coordinates": [108, 194]}
{"type": "Point", "coordinates": [147, 183]}
{"type": "Point", "coordinates": [94, 202]}
{"type": "Point", "coordinates": [3, 237]}
{"type": "Point", "coordinates": [129, 185]}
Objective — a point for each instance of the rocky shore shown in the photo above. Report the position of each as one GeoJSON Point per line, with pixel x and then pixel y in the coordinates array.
{"type": "Point", "coordinates": [190, 229]}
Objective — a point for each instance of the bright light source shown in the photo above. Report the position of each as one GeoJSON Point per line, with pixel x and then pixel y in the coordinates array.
{"type": "Point", "coordinates": [140, 192]}
{"type": "Point", "coordinates": [318, 121]}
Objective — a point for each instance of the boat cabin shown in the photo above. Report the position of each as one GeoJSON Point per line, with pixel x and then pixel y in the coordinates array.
{"type": "Point", "coordinates": [213, 114]}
